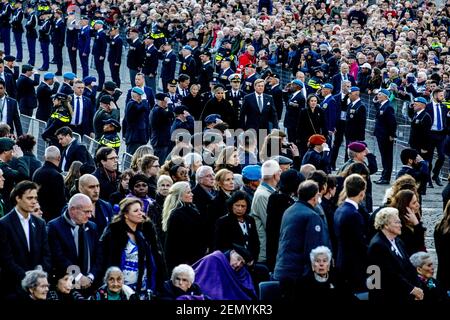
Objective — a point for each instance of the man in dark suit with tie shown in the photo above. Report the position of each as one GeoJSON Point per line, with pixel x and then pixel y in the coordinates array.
{"type": "Point", "coordinates": [342, 76]}
{"type": "Point", "coordinates": [23, 240]}
{"type": "Point", "coordinates": [9, 113]}
{"type": "Point", "coordinates": [419, 135]}
{"type": "Point", "coordinates": [258, 110]}
{"type": "Point", "coordinates": [295, 103]}
{"type": "Point", "coordinates": [183, 85]}
{"type": "Point", "coordinates": [385, 132]}
{"type": "Point", "coordinates": [44, 92]}
{"type": "Point", "coordinates": [83, 112]}
{"type": "Point", "coordinates": [351, 236]}
{"type": "Point", "coordinates": [74, 240]}
{"type": "Point", "coordinates": [355, 125]}
{"type": "Point", "coordinates": [10, 82]}
{"type": "Point", "coordinates": [26, 93]}
{"type": "Point", "coordinates": [72, 150]}
{"type": "Point", "coordinates": [438, 113]}
{"type": "Point", "coordinates": [168, 65]}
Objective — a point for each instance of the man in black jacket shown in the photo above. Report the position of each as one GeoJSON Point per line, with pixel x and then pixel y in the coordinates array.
{"type": "Point", "coordinates": [72, 150]}
{"type": "Point", "coordinates": [9, 113]}
{"type": "Point", "coordinates": [44, 92]}
{"type": "Point", "coordinates": [26, 94]}
{"type": "Point", "coordinates": [135, 55]}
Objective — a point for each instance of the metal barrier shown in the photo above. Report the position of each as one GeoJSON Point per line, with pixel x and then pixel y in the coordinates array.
{"type": "Point", "coordinates": [91, 145]}
{"type": "Point", "coordinates": [126, 161]}
{"type": "Point", "coordinates": [35, 127]}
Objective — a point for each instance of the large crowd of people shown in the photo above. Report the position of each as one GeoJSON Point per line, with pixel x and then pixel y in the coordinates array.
{"type": "Point", "coordinates": [235, 117]}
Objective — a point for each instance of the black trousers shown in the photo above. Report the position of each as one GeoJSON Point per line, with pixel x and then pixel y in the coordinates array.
{"type": "Point", "coordinates": [386, 148]}
{"type": "Point", "coordinates": [338, 139]}
{"type": "Point", "coordinates": [436, 142]}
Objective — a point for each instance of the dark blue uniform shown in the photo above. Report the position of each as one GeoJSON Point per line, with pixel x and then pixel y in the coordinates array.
{"type": "Point", "coordinates": [114, 58]}
{"type": "Point", "coordinates": [44, 40]}
{"type": "Point", "coordinates": [160, 122]}
{"type": "Point", "coordinates": [135, 58]}
{"type": "Point", "coordinates": [355, 123]}
{"type": "Point", "coordinates": [26, 94]}
{"type": "Point", "coordinates": [31, 36]}
{"type": "Point", "coordinates": [17, 28]}
{"type": "Point", "coordinates": [223, 78]}
{"type": "Point", "coordinates": [331, 110]}
{"type": "Point", "coordinates": [189, 67]}
{"type": "Point", "coordinates": [72, 43]}
{"type": "Point", "coordinates": [84, 48]}
{"type": "Point", "coordinates": [99, 52]}
{"type": "Point", "coordinates": [134, 125]}
{"type": "Point", "coordinates": [187, 125]}
{"type": "Point", "coordinates": [150, 66]}
{"type": "Point", "coordinates": [385, 127]}
{"type": "Point", "coordinates": [5, 27]}
{"type": "Point", "coordinates": [168, 68]}
{"type": "Point", "coordinates": [247, 84]}
{"type": "Point", "coordinates": [58, 37]}
{"type": "Point", "coordinates": [293, 107]}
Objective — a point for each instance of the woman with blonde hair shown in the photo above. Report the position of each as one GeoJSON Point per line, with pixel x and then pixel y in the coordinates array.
{"type": "Point", "coordinates": [137, 157]}
{"type": "Point", "coordinates": [184, 227]}
{"type": "Point", "coordinates": [442, 243]}
{"type": "Point", "coordinates": [71, 179]}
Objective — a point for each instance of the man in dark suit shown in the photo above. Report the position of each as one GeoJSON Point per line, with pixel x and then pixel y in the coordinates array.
{"type": "Point", "coordinates": [83, 111]}
{"type": "Point", "coordinates": [351, 236]}
{"type": "Point", "coordinates": [206, 71]}
{"type": "Point", "coordinates": [188, 65]}
{"type": "Point", "coordinates": [343, 75]}
{"type": "Point", "coordinates": [295, 103]}
{"type": "Point", "coordinates": [385, 132]}
{"type": "Point", "coordinates": [72, 150]}
{"type": "Point", "coordinates": [258, 110]}
{"type": "Point", "coordinates": [9, 113]}
{"type": "Point", "coordinates": [26, 93]}
{"type": "Point", "coordinates": [23, 240]}
{"type": "Point", "coordinates": [135, 55]}
{"type": "Point", "coordinates": [438, 113]}
{"type": "Point", "coordinates": [355, 123]}
{"type": "Point", "coordinates": [168, 65]}
{"type": "Point", "coordinates": [58, 35]}
{"type": "Point", "coordinates": [419, 136]}
{"type": "Point", "coordinates": [44, 92]}
{"type": "Point", "coordinates": [51, 194]}
{"type": "Point", "coordinates": [115, 54]}
{"type": "Point", "coordinates": [150, 63]}
{"type": "Point", "coordinates": [10, 82]}
{"type": "Point", "coordinates": [416, 167]}
{"type": "Point", "coordinates": [74, 240]}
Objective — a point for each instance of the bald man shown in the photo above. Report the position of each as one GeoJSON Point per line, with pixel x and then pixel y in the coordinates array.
{"type": "Point", "coordinates": [73, 241]}
{"type": "Point", "coordinates": [51, 193]}
{"type": "Point", "coordinates": [102, 213]}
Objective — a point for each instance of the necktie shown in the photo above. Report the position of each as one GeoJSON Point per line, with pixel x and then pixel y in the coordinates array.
{"type": "Point", "coordinates": [345, 77]}
{"type": "Point", "coordinates": [2, 75]}
{"type": "Point", "coordinates": [260, 104]}
{"type": "Point", "coordinates": [77, 111]}
{"type": "Point", "coordinates": [83, 250]}
{"type": "Point", "coordinates": [439, 120]}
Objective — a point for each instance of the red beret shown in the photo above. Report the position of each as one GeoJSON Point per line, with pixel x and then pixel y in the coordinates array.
{"type": "Point", "coordinates": [357, 146]}
{"type": "Point", "coordinates": [317, 139]}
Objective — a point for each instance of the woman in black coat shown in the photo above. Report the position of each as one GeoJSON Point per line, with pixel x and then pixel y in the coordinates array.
{"type": "Point", "coordinates": [442, 243]}
{"type": "Point", "coordinates": [128, 231]}
{"type": "Point", "coordinates": [219, 105]}
{"type": "Point", "coordinates": [237, 227]}
{"type": "Point", "coordinates": [310, 121]}
{"type": "Point", "coordinates": [193, 101]}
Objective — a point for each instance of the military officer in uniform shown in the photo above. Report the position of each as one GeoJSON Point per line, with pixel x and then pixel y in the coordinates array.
{"type": "Point", "coordinates": [150, 63]}
{"type": "Point", "coordinates": [17, 28]}
{"type": "Point", "coordinates": [99, 52]}
{"type": "Point", "coordinates": [161, 119]}
{"type": "Point", "coordinates": [44, 92]}
{"type": "Point", "coordinates": [206, 71]}
{"type": "Point", "coordinates": [235, 96]}
{"type": "Point", "coordinates": [135, 55]}
{"type": "Point", "coordinates": [330, 108]}
{"type": "Point", "coordinates": [188, 65]}
{"type": "Point", "coordinates": [115, 54]}
{"type": "Point", "coordinates": [58, 36]}
{"type": "Point", "coordinates": [174, 98]}
{"type": "Point", "coordinates": [44, 39]}
{"type": "Point", "coordinates": [31, 34]}
{"type": "Point", "coordinates": [26, 94]}
{"type": "Point", "coordinates": [419, 136]}
{"type": "Point", "coordinates": [274, 89]}
{"type": "Point", "coordinates": [84, 45]}
{"type": "Point", "coordinates": [225, 72]}
{"type": "Point", "coordinates": [6, 12]}
{"type": "Point", "coordinates": [247, 85]}
{"type": "Point", "coordinates": [168, 65]}
{"type": "Point", "coordinates": [72, 40]}
{"type": "Point", "coordinates": [355, 125]}
{"type": "Point", "coordinates": [294, 105]}
{"type": "Point", "coordinates": [66, 86]}
{"type": "Point", "coordinates": [90, 89]}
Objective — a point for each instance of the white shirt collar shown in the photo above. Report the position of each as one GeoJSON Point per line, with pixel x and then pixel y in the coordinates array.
{"type": "Point", "coordinates": [352, 202]}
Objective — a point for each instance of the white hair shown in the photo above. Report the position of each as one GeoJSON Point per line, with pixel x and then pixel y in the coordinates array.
{"type": "Point", "coordinates": [109, 271]}
{"type": "Point", "coordinates": [163, 178]}
{"type": "Point", "coordinates": [78, 199]}
{"type": "Point", "coordinates": [191, 158]}
{"type": "Point", "coordinates": [318, 251]}
{"type": "Point", "coordinates": [31, 278]}
{"type": "Point", "coordinates": [269, 168]}
{"type": "Point", "coordinates": [52, 153]}
{"type": "Point", "coordinates": [202, 171]}
{"type": "Point", "coordinates": [418, 259]}
{"type": "Point", "coordinates": [183, 269]}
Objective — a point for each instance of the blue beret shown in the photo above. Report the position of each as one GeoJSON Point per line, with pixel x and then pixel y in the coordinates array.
{"type": "Point", "coordinates": [69, 75]}
{"type": "Point", "coordinates": [187, 47]}
{"type": "Point", "coordinates": [99, 22]}
{"type": "Point", "coordinates": [138, 90]}
{"type": "Point", "coordinates": [353, 89]}
{"type": "Point", "coordinates": [252, 172]}
{"type": "Point", "coordinates": [328, 86]}
{"type": "Point", "coordinates": [421, 100]}
{"type": "Point", "coordinates": [49, 75]}
{"type": "Point", "coordinates": [88, 80]}
{"type": "Point", "coordinates": [385, 92]}
{"type": "Point", "coordinates": [297, 82]}
{"type": "Point", "coordinates": [212, 118]}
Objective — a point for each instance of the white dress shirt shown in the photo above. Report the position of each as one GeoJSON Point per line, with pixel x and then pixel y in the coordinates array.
{"type": "Point", "coordinates": [25, 222]}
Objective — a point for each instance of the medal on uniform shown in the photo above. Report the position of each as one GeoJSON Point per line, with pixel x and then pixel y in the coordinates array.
{"type": "Point", "coordinates": [184, 66]}
{"type": "Point", "coordinates": [325, 105]}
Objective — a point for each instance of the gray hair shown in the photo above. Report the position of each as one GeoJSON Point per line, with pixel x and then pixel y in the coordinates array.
{"type": "Point", "coordinates": [52, 153]}
{"type": "Point", "coordinates": [201, 172]}
{"type": "Point", "coordinates": [163, 178]}
{"type": "Point", "coordinates": [191, 158]}
{"type": "Point", "coordinates": [383, 216]}
{"type": "Point", "coordinates": [418, 259]}
{"type": "Point", "coordinates": [31, 278]}
{"type": "Point", "coordinates": [318, 251]}
{"type": "Point", "coordinates": [77, 200]}
{"type": "Point", "coordinates": [109, 271]}
{"type": "Point", "coordinates": [183, 269]}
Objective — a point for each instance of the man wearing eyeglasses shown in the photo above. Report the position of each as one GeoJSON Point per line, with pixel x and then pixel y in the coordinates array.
{"type": "Point", "coordinates": [107, 171]}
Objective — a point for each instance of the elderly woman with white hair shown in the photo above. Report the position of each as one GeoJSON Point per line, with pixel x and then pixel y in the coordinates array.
{"type": "Point", "coordinates": [36, 284]}
{"type": "Point", "coordinates": [432, 291]}
{"type": "Point", "coordinates": [395, 278]}
{"type": "Point", "coordinates": [114, 287]}
{"type": "Point", "coordinates": [184, 227]}
{"type": "Point", "coordinates": [193, 161]}
{"type": "Point", "coordinates": [181, 285]}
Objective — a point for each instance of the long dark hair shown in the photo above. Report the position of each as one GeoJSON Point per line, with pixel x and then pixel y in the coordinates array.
{"type": "Point", "coordinates": [235, 197]}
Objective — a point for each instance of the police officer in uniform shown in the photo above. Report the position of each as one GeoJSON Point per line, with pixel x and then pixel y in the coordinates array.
{"type": "Point", "coordinates": [168, 65]}
{"type": "Point", "coordinates": [150, 64]}
{"type": "Point", "coordinates": [315, 82]}
{"type": "Point", "coordinates": [206, 71]}
{"type": "Point", "coordinates": [44, 38]}
{"type": "Point", "coordinates": [247, 85]}
{"type": "Point", "coordinates": [99, 52]}
{"type": "Point", "coordinates": [6, 12]}
{"type": "Point", "coordinates": [31, 34]}
{"type": "Point", "coordinates": [188, 65]}
{"type": "Point", "coordinates": [158, 34]}
{"type": "Point", "coordinates": [84, 45]}
{"type": "Point", "coordinates": [115, 54]}
{"type": "Point", "coordinates": [225, 72]}
{"type": "Point", "coordinates": [17, 28]}
{"type": "Point", "coordinates": [355, 125]}
{"type": "Point", "coordinates": [294, 105]}
{"type": "Point", "coordinates": [58, 36]}
{"type": "Point", "coordinates": [235, 96]}
{"type": "Point", "coordinates": [60, 117]}
{"type": "Point", "coordinates": [72, 40]}
{"type": "Point", "coordinates": [135, 55]}
{"type": "Point", "coordinates": [111, 139]}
